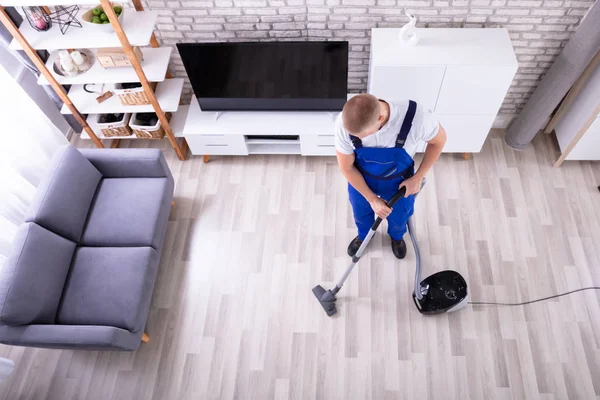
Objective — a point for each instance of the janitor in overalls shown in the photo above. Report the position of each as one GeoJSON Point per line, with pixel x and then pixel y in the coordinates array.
{"type": "Point", "coordinates": [375, 143]}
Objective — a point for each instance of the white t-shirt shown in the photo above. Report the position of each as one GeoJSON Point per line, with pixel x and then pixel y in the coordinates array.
{"type": "Point", "coordinates": [425, 127]}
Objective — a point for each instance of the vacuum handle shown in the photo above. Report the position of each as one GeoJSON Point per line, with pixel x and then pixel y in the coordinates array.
{"type": "Point", "coordinates": [399, 194]}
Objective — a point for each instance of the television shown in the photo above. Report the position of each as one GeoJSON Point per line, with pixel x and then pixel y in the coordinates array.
{"type": "Point", "coordinates": [267, 76]}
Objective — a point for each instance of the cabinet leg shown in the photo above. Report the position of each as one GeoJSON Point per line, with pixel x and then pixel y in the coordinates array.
{"type": "Point", "coordinates": [467, 156]}
{"type": "Point", "coordinates": [206, 158]}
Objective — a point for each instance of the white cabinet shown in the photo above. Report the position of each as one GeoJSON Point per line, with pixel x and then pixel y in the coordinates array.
{"type": "Point", "coordinates": [462, 75]}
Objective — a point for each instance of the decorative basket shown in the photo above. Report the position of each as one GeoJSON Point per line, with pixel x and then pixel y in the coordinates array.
{"type": "Point", "coordinates": [144, 131]}
{"type": "Point", "coordinates": [131, 94]}
{"type": "Point", "coordinates": [113, 129]}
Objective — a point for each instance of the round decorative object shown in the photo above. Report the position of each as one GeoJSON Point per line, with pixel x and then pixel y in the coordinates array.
{"type": "Point", "coordinates": [88, 61]}
{"type": "Point", "coordinates": [38, 18]}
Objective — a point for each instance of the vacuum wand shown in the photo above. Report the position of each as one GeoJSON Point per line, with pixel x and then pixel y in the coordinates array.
{"type": "Point", "coordinates": [327, 297]}
{"type": "Point", "coordinates": [399, 194]}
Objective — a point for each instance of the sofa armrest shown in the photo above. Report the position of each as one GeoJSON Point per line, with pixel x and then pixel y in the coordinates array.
{"type": "Point", "coordinates": [128, 163]}
{"type": "Point", "coordinates": [88, 337]}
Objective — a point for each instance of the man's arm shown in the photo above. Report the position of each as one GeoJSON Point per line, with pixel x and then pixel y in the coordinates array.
{"type": "Point", "coordinates": [432, 153]}
{"type": "Point", "coordinates": [346, 164]}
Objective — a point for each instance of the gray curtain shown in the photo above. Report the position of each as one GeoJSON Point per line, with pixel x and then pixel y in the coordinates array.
{"type": "Point", "coordinates": [6, 38]}
{"type": "Point", "coordinates": [569, 65]}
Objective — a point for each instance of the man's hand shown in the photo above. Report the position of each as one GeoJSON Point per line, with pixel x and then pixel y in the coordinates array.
{"type": "Point", "coordinates": [380, 207]}
{"type": "Point", "coordinates": [412, 184]}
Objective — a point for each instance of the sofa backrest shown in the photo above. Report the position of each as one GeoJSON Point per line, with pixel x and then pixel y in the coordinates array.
{"type": "Point", "coordinates": [64, 195]}
{"type": "Point", "coordinates": [34, 275]}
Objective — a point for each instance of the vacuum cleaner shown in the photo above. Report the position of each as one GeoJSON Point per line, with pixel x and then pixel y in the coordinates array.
{"type": "Point", "coordinates": [445, 291]}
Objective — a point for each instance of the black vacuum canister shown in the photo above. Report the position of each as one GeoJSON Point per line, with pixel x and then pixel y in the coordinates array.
{"type": "Point", "coordinates": [447, 292]}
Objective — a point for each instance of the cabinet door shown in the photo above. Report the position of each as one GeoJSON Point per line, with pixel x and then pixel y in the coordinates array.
{"type": "Point", "coordinates": [466, 133]}
{"type": "Point", "coordinates": [419, 83]}
{"type": "Point", "coordinates": [588, 147]}
{"type": "Point", "coordinates": [474, 89]}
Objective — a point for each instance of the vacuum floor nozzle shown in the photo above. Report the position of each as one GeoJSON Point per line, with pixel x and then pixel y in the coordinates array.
{"type": "Point", "coordinates": [326, 298]}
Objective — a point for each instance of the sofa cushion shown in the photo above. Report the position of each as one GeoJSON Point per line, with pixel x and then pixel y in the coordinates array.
{"type": "Point", "coordinates": [109, 286]}
{"type": "Point", "coordinates": [64, 195]}
{"type": "Point", "coordinates": [128, 212]}
{"type": "Point", "coordinates": [33, 277]}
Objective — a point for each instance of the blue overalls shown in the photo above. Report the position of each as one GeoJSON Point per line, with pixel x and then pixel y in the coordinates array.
{"type": "Point", "coordinates": [384, 169]}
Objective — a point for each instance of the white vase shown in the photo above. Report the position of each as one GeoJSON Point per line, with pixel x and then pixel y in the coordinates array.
{"type": "Point", "coordinates": [408, 34]}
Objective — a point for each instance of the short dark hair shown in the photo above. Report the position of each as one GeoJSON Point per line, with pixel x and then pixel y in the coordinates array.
{"type": "Point", "coordinates": [360, 112]}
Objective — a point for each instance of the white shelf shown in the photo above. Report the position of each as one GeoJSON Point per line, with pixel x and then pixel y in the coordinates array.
{"type": "Point", "coordinates": [27, 3]}
{"type": "Point", "coordinates": [288, 148]}
{"type": "Point", "coordinates": [138, 26]}
{"type": "Point", "coordinates": [156, 61]}
{"type": "Point", "coordinates": [177, 122]}
{"type": "Point", "coordinates": [168, 94]}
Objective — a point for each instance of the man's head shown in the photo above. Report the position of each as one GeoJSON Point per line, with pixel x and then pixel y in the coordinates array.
{"type": "Point", "coordinates": [362, 115]}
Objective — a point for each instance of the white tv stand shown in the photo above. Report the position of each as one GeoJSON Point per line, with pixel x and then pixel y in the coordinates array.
{"type": "Point", "coordinates": [231, 132]}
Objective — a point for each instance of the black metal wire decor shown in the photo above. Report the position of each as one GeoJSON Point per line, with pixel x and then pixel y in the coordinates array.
{"type": "Point", "coordinates": [65, 17]}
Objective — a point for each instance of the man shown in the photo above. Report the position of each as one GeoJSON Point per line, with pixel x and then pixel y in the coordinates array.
{"type": "Point", "coordinates": [375, 143]}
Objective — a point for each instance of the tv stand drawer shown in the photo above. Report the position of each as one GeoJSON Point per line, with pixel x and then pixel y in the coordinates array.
{"type": "Point", "coordinates": [217, 144]}
{"type": "Point", "coordinates": [317, 145]}
{"type": "Point", "coordinates": [327, 140]}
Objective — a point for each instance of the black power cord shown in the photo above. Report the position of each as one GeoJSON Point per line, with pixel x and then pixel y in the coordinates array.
{"type": "Point", "coordinates": [484, 303]}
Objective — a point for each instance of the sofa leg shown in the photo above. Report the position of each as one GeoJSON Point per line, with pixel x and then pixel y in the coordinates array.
{"type": "Point", "coordinates": [206, 158]}
{"type": "Point", "coordinates": [145, 338]}
{"type": "Point", "coordinates": [173, 203]}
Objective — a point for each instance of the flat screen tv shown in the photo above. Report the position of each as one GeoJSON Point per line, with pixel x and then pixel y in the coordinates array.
{"type": "Point", "coordinates": [299, 76]}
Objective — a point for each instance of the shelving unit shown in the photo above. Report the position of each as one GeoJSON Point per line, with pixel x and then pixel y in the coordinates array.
{"type": "Point", "coordinates": [136, 29]}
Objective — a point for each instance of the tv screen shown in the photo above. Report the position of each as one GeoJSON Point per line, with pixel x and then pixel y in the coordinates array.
{"type": "Point", "coordinates": [267, 75]}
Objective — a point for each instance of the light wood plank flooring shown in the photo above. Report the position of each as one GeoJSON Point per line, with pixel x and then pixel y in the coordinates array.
{"type": "Point", "coordinates": [233, 315]}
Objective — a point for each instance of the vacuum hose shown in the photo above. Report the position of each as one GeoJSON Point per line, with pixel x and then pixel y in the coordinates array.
{"type": "Point", "coordinates": [413, 239]}
{"type": "Point", "coordinates": [419, 291]}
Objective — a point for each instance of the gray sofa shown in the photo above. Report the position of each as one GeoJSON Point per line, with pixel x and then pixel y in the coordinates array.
{"type": "Point", "coordinates": [84, 263]}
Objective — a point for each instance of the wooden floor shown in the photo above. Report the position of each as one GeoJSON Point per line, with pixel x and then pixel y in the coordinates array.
{"type": "Point", "coordinates": [233, 315]}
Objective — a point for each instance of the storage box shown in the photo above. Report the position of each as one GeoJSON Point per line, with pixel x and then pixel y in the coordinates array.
{"type": "Point", "coordinates": [132, 96]}
{"type": "Point", "coordinates": [114, 57]}
{"type": "Point", "coordinates": [144, 131]}
{"type": "Point", "coordinates": [113, 129]}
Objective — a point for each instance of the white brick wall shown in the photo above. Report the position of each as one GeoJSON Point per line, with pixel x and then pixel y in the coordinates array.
{"type": "Point", "coordinates": [538, 28]}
